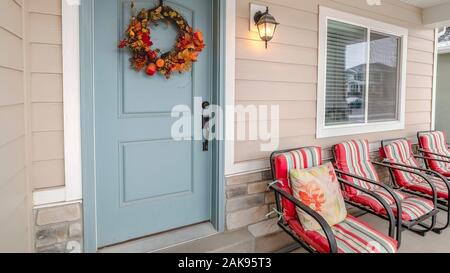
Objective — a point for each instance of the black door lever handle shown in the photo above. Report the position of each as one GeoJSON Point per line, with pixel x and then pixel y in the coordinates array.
{"type": "Point", "coordinates": [205, 121]}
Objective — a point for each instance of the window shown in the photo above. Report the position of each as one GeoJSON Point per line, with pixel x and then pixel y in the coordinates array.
{"type": "Point", "coordinates": [361, 75]}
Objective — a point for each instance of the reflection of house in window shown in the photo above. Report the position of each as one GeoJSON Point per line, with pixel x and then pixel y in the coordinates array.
{"type": "Point", "coordinates": [444, 40]}
{"type": "Point", "coordinates": [355, 80]}
{"type": "Point", "coordinates": [381, 76]}
{"type": "Point", "coordinates": [445, 37]}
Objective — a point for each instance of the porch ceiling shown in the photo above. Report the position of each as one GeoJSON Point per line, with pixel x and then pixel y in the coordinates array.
{"type": "Point", "coordinates": [426, 3]}
{"type": "Point", "coordinates": [436, 13]}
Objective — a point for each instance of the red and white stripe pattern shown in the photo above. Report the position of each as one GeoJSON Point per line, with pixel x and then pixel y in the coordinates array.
{"type": "Point", "coordinates": [436, 142]}
{"type": "Point", "coordinates": [400, 151]}
{"type": "Point", "coordinates": [355, 236]}
{"type": "Point", "coordinates": [354, 157]}
{"type": "Point", "coordinates": [412, 207]}
{"type": "Point", "coordinates": [297, 159]}
{"type": "Point", "coordinates": [352, 235]}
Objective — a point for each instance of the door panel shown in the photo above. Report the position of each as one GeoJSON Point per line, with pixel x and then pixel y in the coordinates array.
{"type": "Point", "coordinates": [136, 169]}
{"type": "Point", "coordinates": [147, 182]}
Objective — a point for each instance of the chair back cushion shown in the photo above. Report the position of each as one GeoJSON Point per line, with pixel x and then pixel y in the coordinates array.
{"type": "Point", "coordinates": [282, 165]}
{"type": "Point", "coordinates": [353, 157]}
{"type": "Point", "coordinates": [319, 189]}
{"type": "Point", "coordinates": [435, 142]}
{"type": "Point", "coordinates": [400, 151]}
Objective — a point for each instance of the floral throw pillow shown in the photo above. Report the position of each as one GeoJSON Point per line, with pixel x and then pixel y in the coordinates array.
{"type": "Point", "coordinates": [319, 189]}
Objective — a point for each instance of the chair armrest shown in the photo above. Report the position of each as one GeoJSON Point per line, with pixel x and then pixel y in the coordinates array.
{"type": "Point", "coordinates": [316, 216]}
{"type": "Point", "coordinates": [386, 188]}
{"type": "Point", "coordinates": [432, 159]}
{"type": "Point", "coordinates": [386, 206]}
{"type": "Point", "coordinates": [433, 153]}
{"type": "Point", "coordinates": [407, 169]}
{"type": "Point", "coordinates": [427, 171]}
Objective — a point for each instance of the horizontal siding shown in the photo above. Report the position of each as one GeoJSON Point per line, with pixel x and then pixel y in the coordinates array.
{"type": "Point", "coordinates": [46, 94]}
{"type": "Point", "coordinates": [46, 58]}
{"type": "Point", "coordinates": [47, 117]}
{"type": "Point", "coordinates": [11, 56]}
{"type": "Point", "coordinates": [251, 149]}
{"type": "Point", "coordinates": [46, 173]}
{"type": "Point", "coordinates": [11, 87]}
{"type": "Point", "coordinates": [14, 194]}
{"type": "Point", "coordinates": [11, 17]}
{"type": "Point", "coordinates": [46, 88]}
{"type": "Point", "coordinates": [12, 157]}
{"type": "Point", "coordinates": [12, 120]}
{"type": "Point", "coordinates": [52, 7]}
{"type": "Point", "coordinates": [286, 73]}
{"type": "Point", "coordinates": [48, 146]}
{"type": "Point", "coordinates": [288, 109]}
{"type": "Point", "coordinates": [275, 72]}
{"type": "Point", "coordinates": [250, 90]}
{"type": "Point", "coordinates": [45, 28]}
{"type": "Point", "coordinates": [420, 56]}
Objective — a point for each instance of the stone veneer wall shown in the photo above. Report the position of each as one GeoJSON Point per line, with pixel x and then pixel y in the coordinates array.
{"type": "Point", "coordinates": [59, 229]}
{"type": "Point", "coordinates": [248, 201]}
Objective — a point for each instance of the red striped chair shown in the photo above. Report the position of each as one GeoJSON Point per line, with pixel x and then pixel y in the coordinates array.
{"type": "Point", "coordinates": [399, 153]}
{"type": "Point", "coordinates": [434, 147]}
{"type": "Point", "coordinates": [350, 236]}
{"type": "Point", "coordinates": [353, 162]}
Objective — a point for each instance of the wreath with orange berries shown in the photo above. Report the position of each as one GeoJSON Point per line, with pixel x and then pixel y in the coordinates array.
{"type": "Point", "coordinates": [188, 46]}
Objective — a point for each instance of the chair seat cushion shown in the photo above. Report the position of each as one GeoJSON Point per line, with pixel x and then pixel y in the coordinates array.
{"type": "Point", "coordinates": [422, 186]}
{"type": "Point", "coordinates": [352, 236]}
{"type": "Point", "coordinates": [412, 207]}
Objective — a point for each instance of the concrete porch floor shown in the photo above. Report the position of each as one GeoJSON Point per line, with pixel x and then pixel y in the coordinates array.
{"type": "Point", "coordinates": [266, 237]}
{"type": "Point", "coordinates": [412, 242]}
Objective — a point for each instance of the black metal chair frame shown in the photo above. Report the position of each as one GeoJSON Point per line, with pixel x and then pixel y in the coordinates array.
{"type": "Point", "coordinates": [399, 223]}
{"type": "Point", "coordinates": [280, 194]}
{"type": "Point", "coordinates": [441, 203]}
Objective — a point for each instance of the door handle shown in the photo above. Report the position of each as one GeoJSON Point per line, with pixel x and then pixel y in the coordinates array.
{"type": "Point", "coordinates": [205, 125]}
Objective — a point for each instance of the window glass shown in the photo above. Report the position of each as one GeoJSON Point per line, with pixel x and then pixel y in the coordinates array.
{"type": "Point", "coordinates": [383, 77]}
{"type": "Point", "coordinates": [345, 74]}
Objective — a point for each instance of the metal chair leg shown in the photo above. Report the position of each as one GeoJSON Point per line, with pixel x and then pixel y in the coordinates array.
{"type": "Point", "coordinates": [439, 230]}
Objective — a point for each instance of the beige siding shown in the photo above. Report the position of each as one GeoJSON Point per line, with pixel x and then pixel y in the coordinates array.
{"type": "Point", "coordinates": [286, 73]}
{"type": "Point", "coordinates": [45, 81]}
{"type": "Point", "coordinates": [14, 192]}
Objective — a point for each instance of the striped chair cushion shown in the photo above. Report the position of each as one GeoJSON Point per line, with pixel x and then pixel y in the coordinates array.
{"type": "Point", "coordinates": [424, 187]}
{"type": "Point", "coordinates": [298, 159]}
{"type": "Point", "coordinates": [400, 151]}
{"type": "Point", "coordinates": [352, 236]}
{"type": "Point", "coordinates": [354, 157]}
{"type": "Point", "coordinates": [436, 142]}
{"type": "Point", "coordinates": [412, 207]}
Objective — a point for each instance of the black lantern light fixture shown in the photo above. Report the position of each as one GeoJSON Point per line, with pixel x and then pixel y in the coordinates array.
{"type": "Point", "coordinates": [266, 25]}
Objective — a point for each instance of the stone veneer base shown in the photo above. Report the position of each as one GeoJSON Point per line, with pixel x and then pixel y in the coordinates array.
{"type": "Point", "coordinates": [59, 229]}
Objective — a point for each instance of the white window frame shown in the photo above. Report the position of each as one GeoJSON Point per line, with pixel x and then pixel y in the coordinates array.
{"type": "Point", "coordinates": [324, 131]}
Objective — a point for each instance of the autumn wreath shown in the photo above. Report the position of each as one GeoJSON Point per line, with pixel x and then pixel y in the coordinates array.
{"type": "Point", "coordinates": [138, 40]}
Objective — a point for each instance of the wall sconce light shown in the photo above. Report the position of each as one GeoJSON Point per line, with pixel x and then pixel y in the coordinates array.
{"type": "Point", "coordinates": [266, 25]}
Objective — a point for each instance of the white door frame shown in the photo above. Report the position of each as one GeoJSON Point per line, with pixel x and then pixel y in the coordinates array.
{"type": "Point", "coordinates": [72, 191]}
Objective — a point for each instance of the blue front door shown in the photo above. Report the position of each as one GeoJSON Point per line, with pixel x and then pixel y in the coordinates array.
{"type": "Point", "coordinates": [147, 182]}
